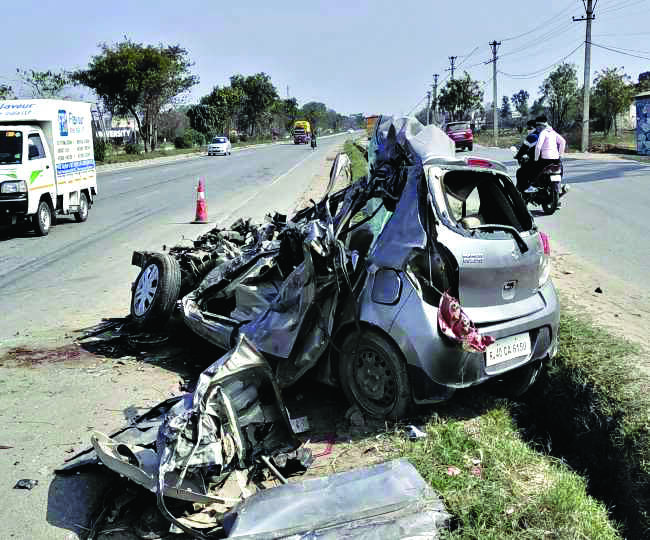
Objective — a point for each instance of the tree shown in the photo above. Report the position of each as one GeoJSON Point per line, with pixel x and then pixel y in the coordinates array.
{"type": "Point", "coordinates": [173, 123]}
{"type": "Point", "coordinates": [505, 111]}
{"type": "Point", "coordinates": [6, 92]}
{"type": "Point", "coordinates": [44, 84]}
{"type": "Point", "coordinates": [520, 101]}
{"type": "Point", "coordinates": [137, 79]}
{"type": "Point", "coordinates": [612, 93]}
{"type": "Point", "coordinates": [259, 94]}
{"type": "Point", "coordinates": [538, 108]}
{"type": "Point", "coordinates": [227, 103]}
{"type": "Point", "coordinates": [559, 93]}
{"type": "Point", "coordinates": [203, 118]}
{"type": "Point", "coordinates": [644, 82]}
{"type": "Point", "coordinates": [314, 112]}
{"type": "Point", "coordinates": [460, 97]}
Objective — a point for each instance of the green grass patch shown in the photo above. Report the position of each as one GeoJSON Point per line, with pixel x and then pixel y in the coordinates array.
{"type": "Point", "coordinates": [505, 140]}
{"type": "Point", "coordinates": [593, 403]}
{"type": "Point", "coordinates": [498, 487]}
{"type": "Point", "coordinates": [357, 160]}
{"type": "Point", "coordinates": [126, 158]}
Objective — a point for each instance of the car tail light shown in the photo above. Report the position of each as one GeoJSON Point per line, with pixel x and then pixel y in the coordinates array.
{"type": "Point", "coordinates": [546, 244]}
{"type": "Point", "coordinates": [478, 162]}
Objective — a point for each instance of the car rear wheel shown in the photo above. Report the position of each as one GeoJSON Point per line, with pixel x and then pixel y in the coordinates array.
{"type": "Point", "coordinates": [373, 375]}
{"type": "Point", "coordinates": [155, 291]}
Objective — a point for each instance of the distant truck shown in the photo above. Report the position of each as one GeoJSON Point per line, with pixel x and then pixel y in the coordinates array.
{"type": "Point", "coordinates": [47, 161]}
{"type": "Point", "coordinates": [301, 132]}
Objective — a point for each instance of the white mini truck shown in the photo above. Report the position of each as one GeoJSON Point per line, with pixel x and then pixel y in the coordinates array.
{"type": "Point", "coordinates": [47, 163]}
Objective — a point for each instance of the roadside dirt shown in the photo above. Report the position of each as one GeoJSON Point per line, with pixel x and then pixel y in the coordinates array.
{"type": "Point", "coordinates": [609, 301]}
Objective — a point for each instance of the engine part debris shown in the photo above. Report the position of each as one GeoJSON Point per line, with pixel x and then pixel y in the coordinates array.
{"type": "Point", "coordinates": [26, 483]}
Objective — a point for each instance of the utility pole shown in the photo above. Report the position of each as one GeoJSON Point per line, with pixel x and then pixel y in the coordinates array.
{"type": "Point", "coordinates": [494, 45]}
{"type": "Point", "coordinates": [584, 145]}
{"type": "Point", "coordinates": [452, 61]}
{"type": "Point", "coordinates": [287, 91]}
{"type": "Point", "coordinates": [435, 98]}
{"type": "Point", "coordinates": [428, 106]}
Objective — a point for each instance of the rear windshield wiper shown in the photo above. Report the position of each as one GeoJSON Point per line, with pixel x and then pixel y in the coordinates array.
{"type": "Point", "coordinates": [507, 228]}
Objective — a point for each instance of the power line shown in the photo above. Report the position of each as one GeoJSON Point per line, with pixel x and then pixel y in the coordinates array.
{"type": "Point", "coordinates": [540, 71]}
{"type": "Point", "coordinates": [619, 7]}
{"type": "Point", "coordinates": [540, 40]}
{"type": "Point", "coordinates": [629, 50]}
{"type": "Point", "coordinates": [620, 52]}
{"type": "Point", "coordinates": [554, 17]}
{"type": "Point", "coordinates": [417, 105]}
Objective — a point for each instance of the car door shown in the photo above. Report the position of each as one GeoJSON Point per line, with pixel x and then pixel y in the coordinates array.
{"type": "Point", "coordinates": [41, 176]}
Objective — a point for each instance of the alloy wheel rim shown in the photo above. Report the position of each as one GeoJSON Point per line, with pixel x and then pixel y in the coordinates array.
{"type": "Point", "coordinates": [145, 290]}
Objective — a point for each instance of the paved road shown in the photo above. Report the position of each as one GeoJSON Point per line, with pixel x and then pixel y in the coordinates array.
{"type": "Point", "coordinates": [81, 272]}
{"type": "Point", "coordinates": [605, 218]}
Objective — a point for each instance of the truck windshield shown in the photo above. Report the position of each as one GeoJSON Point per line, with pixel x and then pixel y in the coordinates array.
{"type": "Point", "coordinates": [11, 147]}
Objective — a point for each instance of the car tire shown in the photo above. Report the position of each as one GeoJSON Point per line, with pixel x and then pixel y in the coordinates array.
{"type": "Point", "coordinates": [550, 207]}
{"type": "Point", "coordinates": [43, 218]}
{"type": "Point", "coordinates": [82, 215]}
{"type": "Point", "coordinates": [155, 291]}
{"type": "Point", "coordinates": [517, 382]}
{"type": "Point", "coordinates": [369, 365]}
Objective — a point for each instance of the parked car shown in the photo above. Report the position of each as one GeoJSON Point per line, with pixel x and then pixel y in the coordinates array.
{"type": "Point", "coordinates": [426, 277]}
{"type": "Point", "coordinates": [461, 134]}
{"type": "Point", "coordinates": [219, 145]}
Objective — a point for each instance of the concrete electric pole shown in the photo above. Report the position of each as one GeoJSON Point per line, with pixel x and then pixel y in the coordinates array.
{"type": "Point", "coordinates": [435, 98]}
{"type": "Point", "coordinates": [494, 45]}
{"type": "Point", "coordinates": [428, 106]}
{"type": "Point", "coordinates": [584, 145]}
{"type": "Point", "coordinates": [452, 61]}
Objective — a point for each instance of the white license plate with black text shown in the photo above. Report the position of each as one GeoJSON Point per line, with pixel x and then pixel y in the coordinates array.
{"type": "Point", "coordinates": [508, 348]}
{"type": "Point", "coordinates": [556, 178]}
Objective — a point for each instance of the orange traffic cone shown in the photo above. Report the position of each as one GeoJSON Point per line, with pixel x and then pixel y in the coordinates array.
{"type": "Point", "coordinates": [201, 207]}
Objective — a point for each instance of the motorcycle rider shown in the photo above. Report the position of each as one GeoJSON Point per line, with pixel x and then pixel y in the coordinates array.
{"type": "Point", "coordinates": [526, 157]}
{"type": "Point", "coordinates": [549, 148]}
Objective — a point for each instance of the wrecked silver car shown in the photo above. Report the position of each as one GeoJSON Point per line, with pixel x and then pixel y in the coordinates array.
{"type": "Point", "coordinates": [426, 276]}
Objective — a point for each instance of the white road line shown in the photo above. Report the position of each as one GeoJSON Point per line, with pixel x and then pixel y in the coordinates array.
{"type": "Point", "coordinates": [273, 182]}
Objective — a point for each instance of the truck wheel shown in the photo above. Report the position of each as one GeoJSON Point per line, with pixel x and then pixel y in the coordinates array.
{"type": "Point", "coordinates": [43, 219]}
{"type": "Point", "coordinates": [82, 215]}
{"type": "Point", "coordinates": [155, 291]}
{"type": "Point", "coordinates": [373, 375]}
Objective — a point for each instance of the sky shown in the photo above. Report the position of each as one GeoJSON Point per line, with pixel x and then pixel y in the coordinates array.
{"type": "Point", "coordinates": [354, 56]}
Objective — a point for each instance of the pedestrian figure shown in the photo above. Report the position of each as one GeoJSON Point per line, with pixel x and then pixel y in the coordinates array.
{"type": "Point", "coordinates": [313, 140]}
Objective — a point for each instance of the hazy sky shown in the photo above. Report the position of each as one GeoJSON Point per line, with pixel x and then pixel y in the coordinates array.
{"type": "Point", "coordinates": [355, 56]}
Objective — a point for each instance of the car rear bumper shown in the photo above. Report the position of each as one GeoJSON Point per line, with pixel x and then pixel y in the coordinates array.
{"type": "Point", "coordinates": [437, 366]}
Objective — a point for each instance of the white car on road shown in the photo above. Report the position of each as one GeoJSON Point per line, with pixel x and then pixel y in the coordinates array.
{"type": "Point", "coordinates": [219, 145]}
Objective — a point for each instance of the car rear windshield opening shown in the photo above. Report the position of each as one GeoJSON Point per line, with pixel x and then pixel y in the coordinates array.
{"type": "Point", "coordinates": [475, 198]}
{"type": "Point", "coordinates": [457, 127]}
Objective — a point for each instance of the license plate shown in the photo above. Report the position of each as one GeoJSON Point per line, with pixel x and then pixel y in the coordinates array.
{"type": "Point", "coordinates": [507, 349]}
{"type": "Point", "coordinates": [556, 178]}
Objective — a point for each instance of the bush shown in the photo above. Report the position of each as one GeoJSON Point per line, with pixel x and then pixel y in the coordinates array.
{"type": "Point", "coordinates": [190, 138]}
{"type": "Point", "coordinates": [243, 137]}
{"type": "Point", "coordinates": [132, 148]}
{"type": "Point", "coordinates": [102, 148]}
{"type": "Point", "coordinates": [234, 138]}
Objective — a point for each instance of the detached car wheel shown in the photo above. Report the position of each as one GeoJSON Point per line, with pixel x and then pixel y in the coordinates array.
{"type": "Point", "coordinates": [155, 291]}
{"type": "Point", "coordinates": [373, 375]}
{"type": "Point", "coordinates": [43, 219]}
{"type": "Point", "coordinates": [82, 215]}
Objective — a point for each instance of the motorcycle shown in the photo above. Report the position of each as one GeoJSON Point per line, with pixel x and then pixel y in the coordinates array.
{"type": "Point", "coordinates": [546, 188]}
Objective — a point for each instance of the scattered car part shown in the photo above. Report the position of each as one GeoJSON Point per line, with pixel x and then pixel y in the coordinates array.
{"type": "Point", "coordinates": [155, 291]}
{"type": "Point", "coordinates": [385, 501]}
{"type": "Point", "coordinates": [26, 483]}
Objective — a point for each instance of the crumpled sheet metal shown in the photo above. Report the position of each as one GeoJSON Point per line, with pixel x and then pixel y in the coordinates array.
{"type": "Point", "coordinates": [386, 501]}
{"type": "Point", "coordinates": [457, 326]}
{"type": "Point", "coordinates": [427, 142]}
